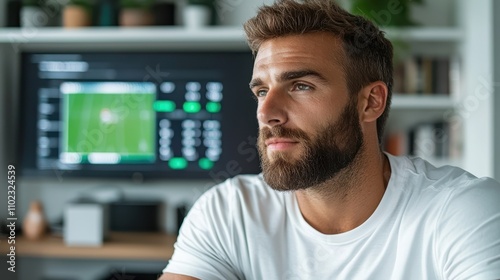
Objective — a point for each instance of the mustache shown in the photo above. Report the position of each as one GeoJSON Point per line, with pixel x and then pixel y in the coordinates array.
{"type": "Point", "coordinates": [282, 132]}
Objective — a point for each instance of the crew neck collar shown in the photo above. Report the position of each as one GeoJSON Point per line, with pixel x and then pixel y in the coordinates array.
{"type": "Point", "coordinates": [383, 211]}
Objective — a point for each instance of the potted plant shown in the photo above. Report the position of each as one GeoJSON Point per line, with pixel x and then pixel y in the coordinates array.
{"type": "Point", "coordinates": [32, 14]}
{"type": "Point", "coordinates": [388, 13]}
{"type": "Point", "coordinates": [385, 12]}
{"type": "Point", "coordinates": [136, 12]}
{"type": "Point", "coordinates": [107, 13]}
{"type": "Point", "coordinates": [198, 13]}
{"type": "Point", "coordinates": [77, 13]}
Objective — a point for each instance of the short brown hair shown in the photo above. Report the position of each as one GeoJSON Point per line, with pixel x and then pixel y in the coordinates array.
{"type": "Point", "coordinates": [367, 53]}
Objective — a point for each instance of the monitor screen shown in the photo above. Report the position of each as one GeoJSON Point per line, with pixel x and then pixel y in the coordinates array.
{"type": "Point", "coordinates": [160, 115]}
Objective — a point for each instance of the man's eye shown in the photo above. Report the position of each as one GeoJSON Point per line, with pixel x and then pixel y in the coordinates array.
{"type": "Point", "coordinates": [261, 93]}
{"type": "Point", "coordinates": [301, 87]}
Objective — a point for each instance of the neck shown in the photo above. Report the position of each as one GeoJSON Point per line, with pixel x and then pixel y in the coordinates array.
{"type": "Point", "coordinates": [350, 198]}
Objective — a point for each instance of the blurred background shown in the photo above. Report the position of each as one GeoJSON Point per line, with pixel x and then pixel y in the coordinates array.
{"type": "Point", "coordinates": [115, 116]}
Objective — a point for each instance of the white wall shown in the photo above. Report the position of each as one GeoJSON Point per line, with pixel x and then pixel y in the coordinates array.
{"type": "Point", "coordinates": [496, 95]}
{"type": "Point", "coordinates": [476, 102]}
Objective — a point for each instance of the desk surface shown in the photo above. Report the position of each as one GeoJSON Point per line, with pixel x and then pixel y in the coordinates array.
{"type": "Point", "coordinates": [132, 246]}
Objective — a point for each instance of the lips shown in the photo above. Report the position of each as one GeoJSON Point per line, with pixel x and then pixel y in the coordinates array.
{"type": "Point", "coordinates": [278, 140]}
{"type": "Point", "coordinates": [279, 143]}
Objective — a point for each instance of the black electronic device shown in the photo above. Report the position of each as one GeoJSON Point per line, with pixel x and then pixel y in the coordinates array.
{"type": "Point", "coordinates": [149, 115]}
{"type": "Point", "coordinates": [135, 215]}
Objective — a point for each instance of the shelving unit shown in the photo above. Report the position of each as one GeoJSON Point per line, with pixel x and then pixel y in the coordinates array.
{"type": "Point", "coordinates": [405, 108]}
{"type": "Point", "coordinates": [113, 38]}
{"type": "Point", "coordinates": [411, 110]}
{"type": "Point", "coordinates": [469, 107]}
{"type": "Point", "coordinates": [457, 41]}
{"type": "Point", "coordinates": [422, 102]}
{"type": "Point", "coordinates": [470, 40]}
{"type": "Point", "coordinates": [124, 246]}
{"type": "Point", "coordinates": [425, 34]}
{"type": "Point", "coordinates": [166, 34]}
{"type": "Point", "coordinates": [117, 35]}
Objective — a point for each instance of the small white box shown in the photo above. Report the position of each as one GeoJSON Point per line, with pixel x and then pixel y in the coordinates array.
{"type": "Point", "coordinates": [85, 224]}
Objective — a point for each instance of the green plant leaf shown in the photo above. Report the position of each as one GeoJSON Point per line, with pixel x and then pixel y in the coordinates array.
{"type": "Point", "coordinates": [137, 4]}
{"type": "Point", "coordinates": [385, 12]}
{"type": "Point", "coordinates": [209, 3]}
{"type": "Point", "coordinates": [37, 3]}
{"type": "Point", "coordinates": [83, 3]}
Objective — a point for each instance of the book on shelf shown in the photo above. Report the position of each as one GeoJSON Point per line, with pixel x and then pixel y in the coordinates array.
{"type": "Point", "coordinates": [429, 140]}
{"type": "Point", "coordinates": [427, 75]}
{"type": "Point", "coordinates": [396, 143]}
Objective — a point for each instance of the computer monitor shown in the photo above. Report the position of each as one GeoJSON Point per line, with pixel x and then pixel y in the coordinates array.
{"type": "Point", "coordinates": [155, 115]}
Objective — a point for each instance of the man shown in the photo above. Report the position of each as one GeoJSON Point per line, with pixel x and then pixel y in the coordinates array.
{"type": "Point", "coordinates": [329, 203]}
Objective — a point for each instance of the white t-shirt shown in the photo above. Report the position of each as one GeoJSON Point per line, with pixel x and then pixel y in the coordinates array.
{"type": "Point", "coordinates": [432, 223]}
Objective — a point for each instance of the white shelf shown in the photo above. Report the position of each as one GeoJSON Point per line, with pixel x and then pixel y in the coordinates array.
{"type": "Point", "coordinates": [178, 33]}
{"type": "Point", "coordinates": [425, 34]}
{"type": "Point", "coordinates": [422, 102]}
{"type": "Point", "coordinates": [116, 35]}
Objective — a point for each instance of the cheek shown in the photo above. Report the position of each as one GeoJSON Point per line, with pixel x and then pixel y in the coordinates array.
{"type": "Point", "coordinates": [260, 117]}
{"type": "Point", "coordinates": [315, 117]}
{"type": "Point", "coordinates": [311, 124]}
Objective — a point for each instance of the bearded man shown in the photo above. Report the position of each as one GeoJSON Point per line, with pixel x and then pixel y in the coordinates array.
{"type": "Point", "coordinates": [330, 204]}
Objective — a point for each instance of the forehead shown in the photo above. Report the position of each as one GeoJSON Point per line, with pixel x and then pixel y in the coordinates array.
{"type": "Point", "coordinates": [312, 49]}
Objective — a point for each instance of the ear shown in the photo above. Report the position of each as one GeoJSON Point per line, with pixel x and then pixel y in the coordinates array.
{"type": "Point", "coordinates": [372, 101]}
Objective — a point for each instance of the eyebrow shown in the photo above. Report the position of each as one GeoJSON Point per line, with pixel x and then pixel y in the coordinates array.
{"type": "Point", "coordinates": [290, 75]}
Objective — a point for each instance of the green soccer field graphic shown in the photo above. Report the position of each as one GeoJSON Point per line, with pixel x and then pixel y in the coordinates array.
{"type": "Point", "coordinates": [108, 123]}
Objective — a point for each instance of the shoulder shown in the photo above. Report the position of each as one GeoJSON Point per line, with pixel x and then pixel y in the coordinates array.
{"type": "Point", "coordinates": [221, 226]}
{"type": "Point", "coordinates": [445, 193]}
{"type": "Point", "coordinates": [459, 212]}
{"type": "Point", "coordinates": [420, 175]}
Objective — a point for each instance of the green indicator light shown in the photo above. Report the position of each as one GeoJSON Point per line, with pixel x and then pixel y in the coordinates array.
{"type": "Point", "coordinates": [192, 107]}
{"type": "Point", "coordinates": [205, 163]}
{"type": "Point", "coordinates": [164, 106]}
{"type": "Point", "coordinates": [213, 107]}
{"type": "Point", "coordinates": [177, 163]}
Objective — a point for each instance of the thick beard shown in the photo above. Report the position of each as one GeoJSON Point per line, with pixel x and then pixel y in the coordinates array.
{"type": "Point", "coordinates": [322, 158]}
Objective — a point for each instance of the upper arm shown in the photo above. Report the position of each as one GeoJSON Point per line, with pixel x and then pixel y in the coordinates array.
{"type": "Point", "coordinates": [171, 276]}
{"type": "Point", "coordinates": [468, 239]}
{"type": "Point", "coordinates": [204, 246]}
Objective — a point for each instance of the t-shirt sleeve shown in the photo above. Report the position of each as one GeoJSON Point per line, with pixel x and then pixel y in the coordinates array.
{"type": "Point", "coordinates": [204, 246]}
{"type": "Point", "coordinates": [468, 232]}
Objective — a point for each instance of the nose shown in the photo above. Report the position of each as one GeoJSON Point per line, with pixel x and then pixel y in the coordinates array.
{"type": "Point", "coordinates": [271, 110]}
